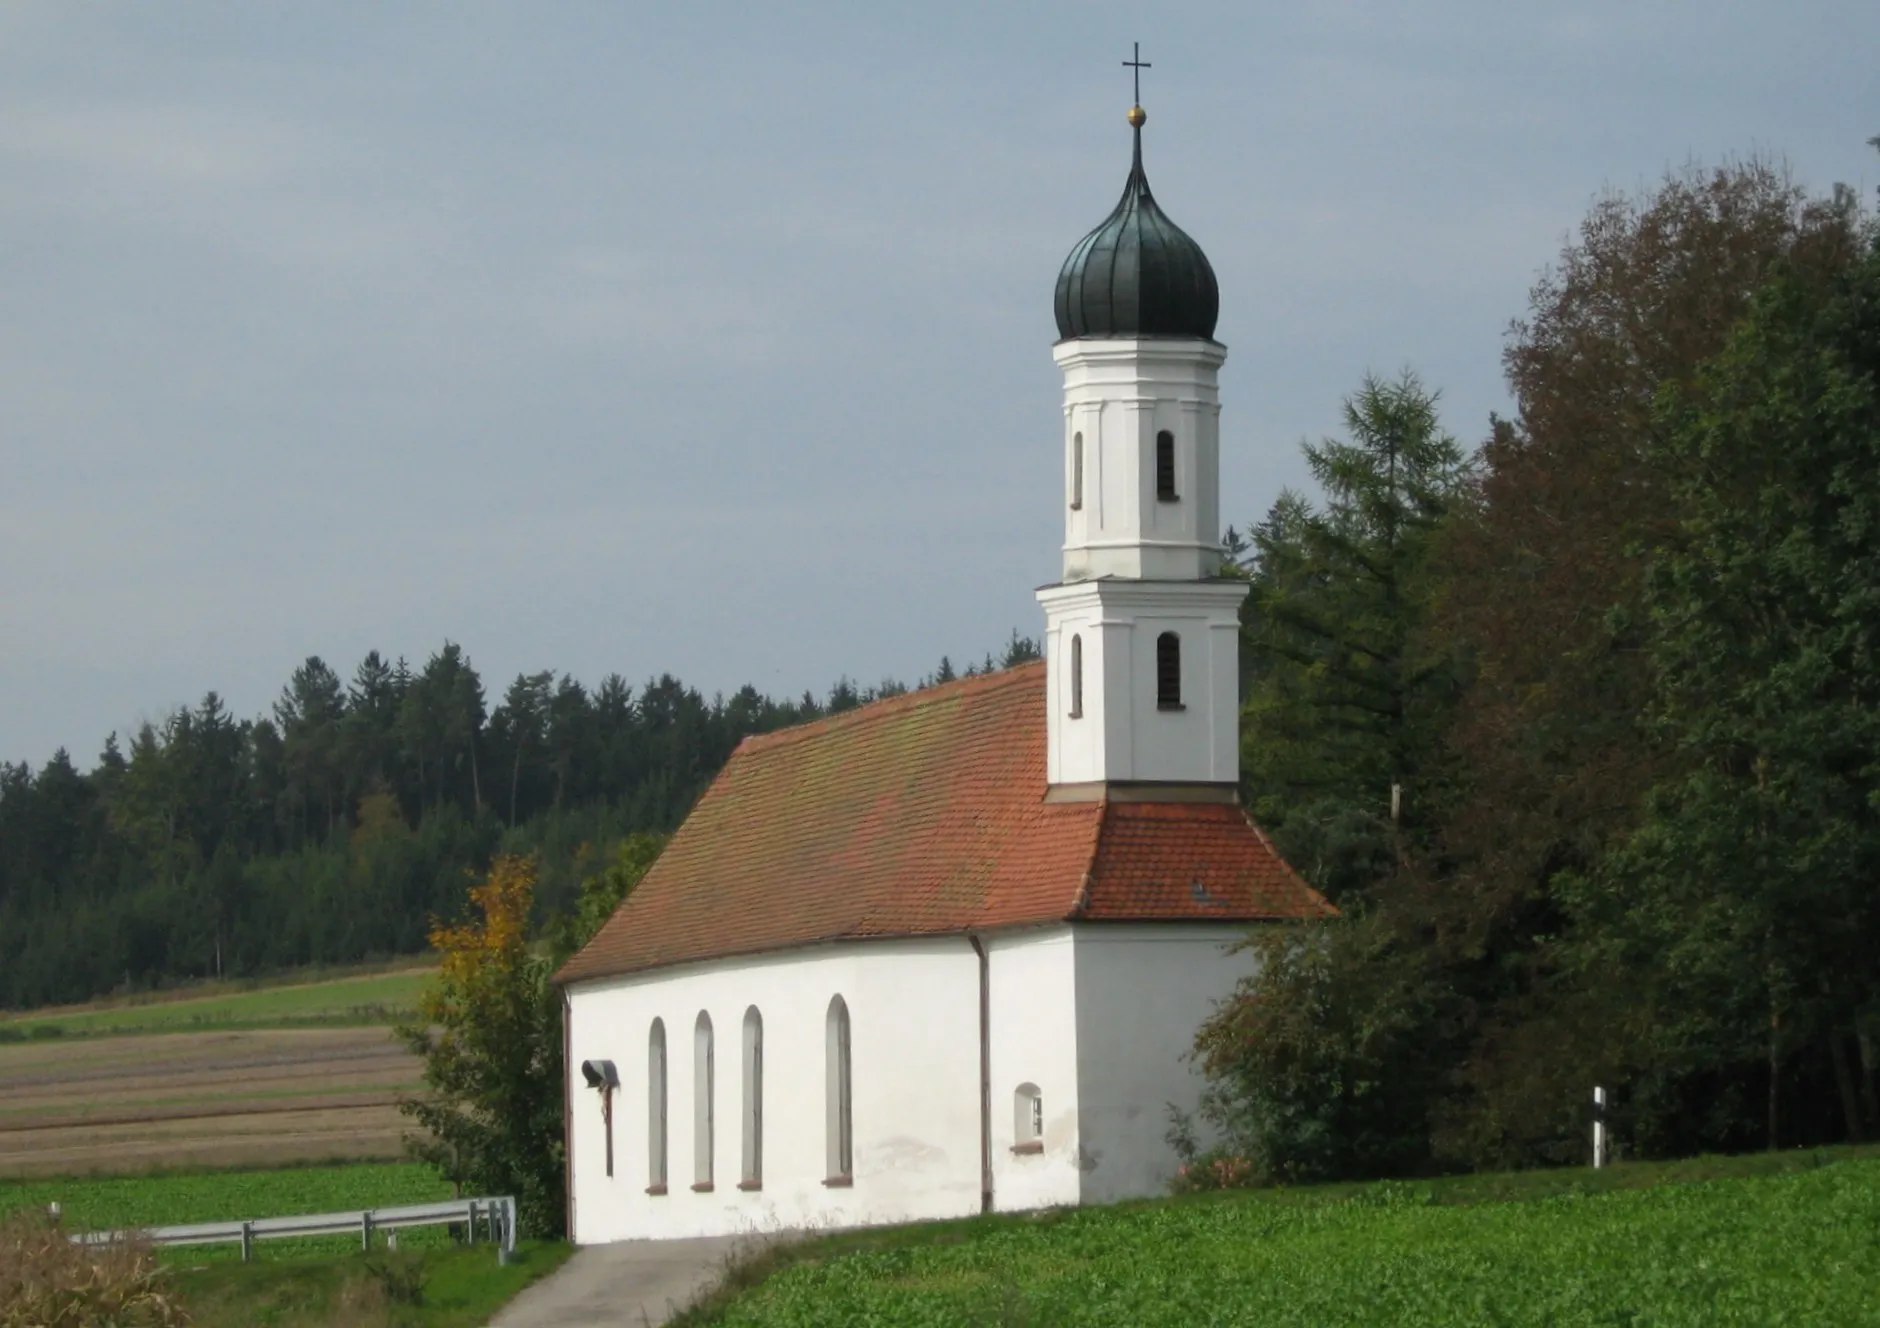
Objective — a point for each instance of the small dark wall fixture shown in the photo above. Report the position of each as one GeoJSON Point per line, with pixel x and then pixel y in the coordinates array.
{"type": "Point", "coordinates": [605, 1079]}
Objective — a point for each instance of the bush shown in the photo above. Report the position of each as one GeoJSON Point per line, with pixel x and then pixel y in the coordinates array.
{"type": "Point", "coordinates": [1320, 1066]}
{"type": "Point", "coordinates": [46, 1279]}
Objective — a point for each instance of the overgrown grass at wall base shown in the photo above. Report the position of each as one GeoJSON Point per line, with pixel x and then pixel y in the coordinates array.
{"type": "Point", "coordinates": [458, 1288]}
{"type": "Point", "coordinates": [1801, 1248]}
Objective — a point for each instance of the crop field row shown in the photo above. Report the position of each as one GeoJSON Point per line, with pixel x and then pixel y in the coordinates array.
{"type": "Point", "coordinates": [227, 1099]}
{"type": "Point", "coordinates": [1798, 1248]}
{"type": "Point", "coordinates": [372, 998]}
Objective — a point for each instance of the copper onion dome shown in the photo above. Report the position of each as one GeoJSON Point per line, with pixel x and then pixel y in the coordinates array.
{"type": "Point", "coordinates": [1138, 274]}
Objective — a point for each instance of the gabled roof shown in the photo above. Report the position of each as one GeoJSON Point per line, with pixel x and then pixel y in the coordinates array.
{"type": "Point", "coordinates": [925, 815]}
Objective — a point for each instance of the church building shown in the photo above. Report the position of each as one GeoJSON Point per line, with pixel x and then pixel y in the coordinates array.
{"type": "Point", "coordinates": [945, 954]}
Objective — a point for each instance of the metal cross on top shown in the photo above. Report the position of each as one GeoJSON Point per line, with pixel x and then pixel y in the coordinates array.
{"type": "Point", "coordinates": [1136, 64]}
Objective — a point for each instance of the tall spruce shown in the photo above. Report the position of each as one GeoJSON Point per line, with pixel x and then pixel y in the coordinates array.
{"type": "Point", "coordinates": [1345, 695]}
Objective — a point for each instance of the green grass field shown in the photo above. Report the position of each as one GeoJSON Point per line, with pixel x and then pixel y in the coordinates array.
{"type": "Point", "coordinates": [1793, 1239]}
{"type": "Point", "coordinates": [369, 998]}
{"type": "Point", "coordinates": [461, 1287]}
{"type": "Point", "coordinates": [117, 1203]}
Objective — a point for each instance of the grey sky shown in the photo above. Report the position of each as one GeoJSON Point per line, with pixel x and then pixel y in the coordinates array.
{"type": "Point", "coordinates": [716, 338]}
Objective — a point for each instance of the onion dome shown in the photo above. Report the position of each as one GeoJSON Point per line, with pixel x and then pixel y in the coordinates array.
{"type": "Point", "coordinates": [1138, 274]}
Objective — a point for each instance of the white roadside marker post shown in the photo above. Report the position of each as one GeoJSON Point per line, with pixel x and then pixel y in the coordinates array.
{"type": "Point", "coordinates": [1599, 1127]}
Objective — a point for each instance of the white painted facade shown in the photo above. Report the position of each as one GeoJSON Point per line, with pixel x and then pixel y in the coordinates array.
{"type": "Point", "coordinates": [1142, 559]}
{"type": "Point", "coordinates": [1118, 397]}
{"type": "Point", "coordinates": [1096, 1017]}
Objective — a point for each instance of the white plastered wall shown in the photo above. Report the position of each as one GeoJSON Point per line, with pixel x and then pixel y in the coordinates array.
{"type": "Point", "coordinates": [1119, 395]}
{"type": "Point", "coordinates": [914, 1029]}
{"type": "Point", "coordinates": [1034, 1041]}
{"type": "Point", "coordinates": [1142, 992]}
{"type": "Point", "coordinates": [1122, 735]}
{"type": "Point", "coordinates": [1098, 1017]}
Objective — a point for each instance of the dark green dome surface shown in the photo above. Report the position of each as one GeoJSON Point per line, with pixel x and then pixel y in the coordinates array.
{"type": "Point", "coordinates": [1138, 274]}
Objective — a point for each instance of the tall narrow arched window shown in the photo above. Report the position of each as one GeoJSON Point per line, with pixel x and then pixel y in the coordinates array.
{"type": "Point", "coordinates": [1077, 676]}
{"type": "Point", "coordinates": [753, 1177]}
{"type": "Point", "coordinates": [703, 1085]}
{"type": "Point", "coordinates": [1165, 466]}
{"type": "Point", "coordinates": [656, 1108]}
{"type": "Point", "coordinates": [1077, 471]}
{"type": "Point", "coordinates": [1168, 672]}
{"type": "Point", "coordinates": [839, 1095]}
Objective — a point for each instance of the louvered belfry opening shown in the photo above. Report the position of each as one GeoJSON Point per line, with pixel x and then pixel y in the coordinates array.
{"type": "Point", "coordinates": [1168, 672]}
{"type": "Point", "coordinates": [1165, 466]}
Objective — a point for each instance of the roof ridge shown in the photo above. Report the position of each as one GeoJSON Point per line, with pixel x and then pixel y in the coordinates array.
{"type": "Point", "coordinates": [890, 706]}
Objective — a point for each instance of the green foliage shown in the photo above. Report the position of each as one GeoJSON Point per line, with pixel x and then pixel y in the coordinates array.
{"type": "Point", "coordinates": [1792, 1249]}
{"type": "Point", "coordinates": [604, 891]}
{"type": "Point", "coordinates": [334, 829]}
{"type": "Point", "coordinates": [1345, 695]}
{"type": "Point", "coordinates": [1743, 909]}
{"type": "Point", "coordinates": [1622, 666]}
{"type": "Point", "coordinates": [1544, 588]}
{"type": "Point", "coordinates": [489, 1029]}
{"type": "Point", "coordinates": [1318, 1066]}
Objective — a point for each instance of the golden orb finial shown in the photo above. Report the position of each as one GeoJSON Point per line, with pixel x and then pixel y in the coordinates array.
{"type": "Point", "coordinates": [1137, 115]}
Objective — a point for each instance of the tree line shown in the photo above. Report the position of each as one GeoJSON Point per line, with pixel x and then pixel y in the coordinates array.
{"type": "Point", "coordinates": [1580, 728]}
{"type": "Point", "coordinates": [339, 826]}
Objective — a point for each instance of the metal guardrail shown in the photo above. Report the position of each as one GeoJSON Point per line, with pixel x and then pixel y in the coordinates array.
{"type": "Point", "coordinates": [498, 1216]}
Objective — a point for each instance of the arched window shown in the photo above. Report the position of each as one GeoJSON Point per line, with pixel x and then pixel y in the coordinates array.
{"type": "Point", "coordinates": [839, 1094]}
{"type": "Point", "coordinates": [656, 1108]}
{"type": "Point", "coordinates": [1165, 466]}
{"type": "Point", "coordinates": [1077, 471]}
{"type": "Point", "coordinates": [1027, 1119]}
{"type": "Point", "coordinates": [1168, 672]}
{"type": "Point", "coordinates": [753, 1178]}
{"type": "Point", "coordinates": [703, 1085]}
{"type": "Point", "coordinates": [1077, 676]}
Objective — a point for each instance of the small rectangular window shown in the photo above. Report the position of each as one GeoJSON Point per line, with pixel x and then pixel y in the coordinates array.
{"type": "Point", "coordinates": [1165, 467]}
{"type": "Point", "coordinates": [1077, 677]}
{"type": "Point", "coordinates": [1077, 472]}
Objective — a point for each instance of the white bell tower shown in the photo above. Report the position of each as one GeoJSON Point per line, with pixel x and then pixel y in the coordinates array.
{"type": "Point", "coordinates": [1142, 636]}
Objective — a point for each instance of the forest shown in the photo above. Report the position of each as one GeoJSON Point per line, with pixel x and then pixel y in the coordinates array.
{"type": "Point", "coordinates": [1578, 724]}
{"type": "Point", "coordinates": [1580, 727]}
{"type": "Point", "coordinates": [338, 827]}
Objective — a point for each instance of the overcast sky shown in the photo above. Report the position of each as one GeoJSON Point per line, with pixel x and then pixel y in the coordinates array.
{"type": "Point", "coordinates": [714, 338]}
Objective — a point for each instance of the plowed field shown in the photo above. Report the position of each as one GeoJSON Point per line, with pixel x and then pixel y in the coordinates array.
{"type": "Point", "coordinates": [189, 1100]}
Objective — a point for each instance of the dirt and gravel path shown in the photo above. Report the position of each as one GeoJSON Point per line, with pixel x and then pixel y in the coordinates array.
{"type": "Point", "coordinates": [629, 1284]}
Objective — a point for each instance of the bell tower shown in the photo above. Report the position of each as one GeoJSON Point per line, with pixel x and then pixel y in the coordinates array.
{"type": "Point", "coordinates": [1142, 635]}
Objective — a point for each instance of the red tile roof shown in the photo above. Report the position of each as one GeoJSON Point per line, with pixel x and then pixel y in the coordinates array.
{"type": "Point", "coordinates": [925, 815]}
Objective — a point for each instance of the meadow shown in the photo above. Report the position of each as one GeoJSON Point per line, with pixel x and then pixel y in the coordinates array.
{"type": "Point", "coordinates": [116, 1203]}
{"type": "Point", "coordinates": [1799, 1246]}
{"type": "Point", "coordinates": [373, 997]}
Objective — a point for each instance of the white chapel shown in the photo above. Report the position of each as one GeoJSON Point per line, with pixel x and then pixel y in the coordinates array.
{"type": "Point", "coordinates": [944, 954]}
